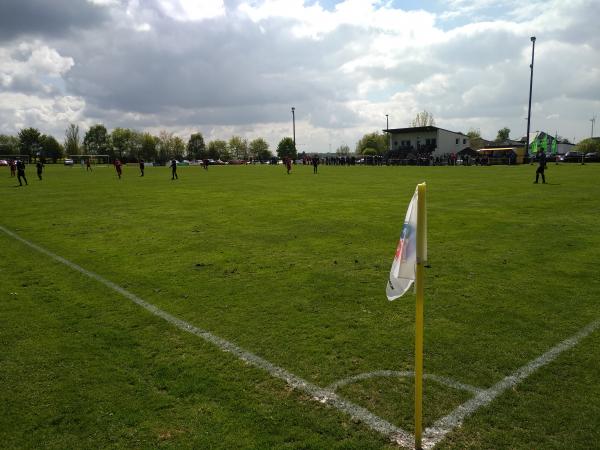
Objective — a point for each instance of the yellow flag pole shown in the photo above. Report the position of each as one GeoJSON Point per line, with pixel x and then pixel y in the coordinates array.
{"type": "Point", "coordinates": [421, 257]}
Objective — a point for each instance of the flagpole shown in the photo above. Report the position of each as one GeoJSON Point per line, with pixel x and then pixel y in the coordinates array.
{"type": "Point", "coordinates": [419, 279]}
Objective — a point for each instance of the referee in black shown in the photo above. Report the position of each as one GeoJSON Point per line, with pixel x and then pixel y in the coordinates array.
{"type": "Point", "coordinates": [542, 166]}
{"type": "Point", "coordinates": [21, 172]}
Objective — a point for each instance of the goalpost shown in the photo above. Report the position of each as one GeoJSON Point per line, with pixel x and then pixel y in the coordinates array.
{"type": "Point", "coordinates": [94, 159]}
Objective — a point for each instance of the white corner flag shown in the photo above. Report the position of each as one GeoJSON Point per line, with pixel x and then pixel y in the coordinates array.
{"type": "Point", "coordinates": [402, 273]}
{"type": "Point", "coordinates": [408, 268]}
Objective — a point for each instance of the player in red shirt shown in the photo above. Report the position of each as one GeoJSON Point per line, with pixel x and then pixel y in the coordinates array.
{"type": "Point", "coordinates": [118, 167]}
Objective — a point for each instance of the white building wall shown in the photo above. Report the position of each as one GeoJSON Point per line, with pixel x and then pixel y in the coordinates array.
{"type": "Point", "coordinates": [449, 142]}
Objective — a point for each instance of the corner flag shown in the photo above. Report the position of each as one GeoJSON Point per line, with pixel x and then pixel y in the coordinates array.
{"type": "Point", "coordinates": [408, 267]}
{"type": "Point", "coordinates": [402, 273]}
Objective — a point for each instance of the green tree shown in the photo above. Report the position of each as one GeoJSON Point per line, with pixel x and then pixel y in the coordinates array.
{"type": "Point", "coordinates": [343, 150]}
{"type": "Point", "coordinates": [72, 140]}
{"type": "Point", "coordinates": [588, 145]}
{"type": "Point", "coordinates": [196, 148]}
{"type": "Point", "coordinates": [217, 149]}
{"type": "Point", "coordinates": [97, 140]}
{"type": "Point", "coordinates": [50, 148]}
{"type": "Point", "coordinates": [423, 119]}
{"type": "Point", "coordinates": [238, 147]}
{"type": "Point", "coordinates": [178, 148]}
{"type": "Point", "coordinates": [375, 141]}
{"type": "Point", "coordinates": [503, 135]}
{"type": "Point", "coordinates": [122, 140]}
{"type": "Point", "coordinates": [29, 141]}
{"type": "Point", "coordinates": [259, 149]}
{"type": "Point", "coordinates": [286, 148]}
{"type": "Point", "coordinates": [164, 146]}
{"type": "Point", "coordinates": [148, 150]}
{"type": "Point", "coordinates": [475, 139]}
{"type": "Point", "coordinates": [9, 145]}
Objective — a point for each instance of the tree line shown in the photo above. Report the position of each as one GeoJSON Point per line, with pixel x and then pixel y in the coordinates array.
{"type": "Point", "coordinates": [130, 145]}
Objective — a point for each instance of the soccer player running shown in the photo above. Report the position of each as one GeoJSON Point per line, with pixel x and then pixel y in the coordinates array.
{"type": "Point", "coordinates": [288, 164]}
{"type": "Point", "coordinates": [315, 163]}
{"type": "Point", "coordinates": [88, 165]}
{"type": "Point", "coordinates": [21, 172]}
{"type": "Point", "coordinates": [39, 166]}
{"type": "Point", "coordinates": [174, 170]}
{"type": "Point", "coordinates": [542, 166]}
{"type": "Point", "coordinates": [142, 166]}
{"type": "Point", "coordinates": [118, 168]}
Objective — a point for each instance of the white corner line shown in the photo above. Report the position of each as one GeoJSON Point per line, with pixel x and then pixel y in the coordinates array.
{"type": "Point", "coordinates": [329, 397]}
{"type": "Point", "coordinates": [404, 374]}
{"type": "Point", "coordinates": [436, 433]}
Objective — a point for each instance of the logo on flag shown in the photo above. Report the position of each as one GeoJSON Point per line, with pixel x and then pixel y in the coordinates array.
{"type": "Point", "coordinates": [402, 273]}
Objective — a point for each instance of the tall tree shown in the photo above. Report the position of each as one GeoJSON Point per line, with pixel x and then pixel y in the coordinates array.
{"type": "Point", "coordinates": [178, 148]}
{"type": "Point", "coordinates": [196, 148]}
{"type": "Point", "coordinates": [423, 119]}
{"type": "Point", "coordinates": [375, 141]}
{"type": "Point", "coordinates": [29, 141]}
{"type": "Point", "coordinates": [503, 134]}
{"type": "Point", "coordinates": [238, 147]}
{"type": "Point", "coordinates": [97, 140]}
{"type": "Point", "coordinates": [164, 146]}
{"type": "Point", "coordinates": [259, 149]}
{"type": "Point", "coordinates": [9, 145]}
{"type": "Point", "coordinates": [122, 140]}
{"type": "Point", "coordinates": [342, 150]}
{"type": "Point", "coordinates": [148, 150]}
{"type": "Point", "coordinates": [286, 148]}
{"type": "Point", "coordinates": [72, 140]}
{"type": "Point", "coordinates": [475, 139]}
{"type": "Point", "coordinates": [217, 149]}
{"type": "Point", "coordinates": [50, 148]}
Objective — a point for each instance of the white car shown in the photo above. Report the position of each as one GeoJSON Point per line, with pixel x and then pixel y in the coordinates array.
{"type": "Point", "coordinates": [68, 162]}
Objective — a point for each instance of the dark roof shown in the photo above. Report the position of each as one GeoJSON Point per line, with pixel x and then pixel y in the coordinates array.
{"type": "Point", "coordinates": [418, 129]}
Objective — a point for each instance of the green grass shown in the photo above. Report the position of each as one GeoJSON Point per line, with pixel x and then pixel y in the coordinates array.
{"type": "Point", "coordinates": [293, 268]}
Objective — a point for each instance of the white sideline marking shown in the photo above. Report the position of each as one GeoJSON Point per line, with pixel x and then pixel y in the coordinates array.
{"type": "Point", "coordinates": [434, 434]}
{"type": "Point", "coordinates": [323, 395]}
{"type": "Point", "coordinates": [404, 374]}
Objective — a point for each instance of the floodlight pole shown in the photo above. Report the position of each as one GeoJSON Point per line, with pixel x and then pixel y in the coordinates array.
{"type": "Point", "coordinates": [294, 126]}
{"type": "Point", "coordinates": [530, 91]}
{"type": "Point", "coordinates": [387, 129]}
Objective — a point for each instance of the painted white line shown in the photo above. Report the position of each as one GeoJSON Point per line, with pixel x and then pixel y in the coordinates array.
{"type": "Point", "coordinates": [437, 432]}
{"type": "Point", "coordinates": [405, 374]}
{"type": "Point", "coordinates": [323, 395]}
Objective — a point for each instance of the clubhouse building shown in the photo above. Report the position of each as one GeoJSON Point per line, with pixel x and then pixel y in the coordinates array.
{"type": "Point", "coordinates": [428, 140]}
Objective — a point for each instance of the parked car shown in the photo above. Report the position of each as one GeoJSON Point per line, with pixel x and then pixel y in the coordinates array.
{"type": "Point", "coordinates": [69, 162]}
{"type": "Point", "coordinates": [591, 157]}
{"type": "Point", "coordinates": [572, 157]}
{"type": "Point", "coordinates": [3, 162]}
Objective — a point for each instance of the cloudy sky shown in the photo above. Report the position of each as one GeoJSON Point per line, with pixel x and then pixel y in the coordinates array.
{"type": "Point", "coordinates": [225, 67]}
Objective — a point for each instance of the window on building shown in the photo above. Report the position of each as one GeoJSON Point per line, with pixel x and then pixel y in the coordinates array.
{"type": "Point", "coordinates": [464, 141]}
{"type": "Point", "coordinates": [434, 142]}
{"type": "Point", "coordinates": [457, 140]}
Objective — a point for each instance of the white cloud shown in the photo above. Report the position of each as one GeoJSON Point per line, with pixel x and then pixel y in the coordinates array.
{"type": "Point", "coordinates": [153, 66]}
{"type": "Point", "coordinates": [192, 10]}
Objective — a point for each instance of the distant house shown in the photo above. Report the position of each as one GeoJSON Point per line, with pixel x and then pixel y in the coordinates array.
{"type": "Point", "coordinates": [540, 140]}
{"type": "Point", "coordinates": [431, 140]}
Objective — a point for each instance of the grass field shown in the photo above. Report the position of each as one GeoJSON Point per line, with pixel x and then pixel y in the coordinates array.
{"type": "Point", "coordinates": [293, 269]}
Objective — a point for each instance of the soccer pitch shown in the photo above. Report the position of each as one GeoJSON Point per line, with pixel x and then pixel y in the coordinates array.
{"type": "Point", "coordinates": [282, 278]}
